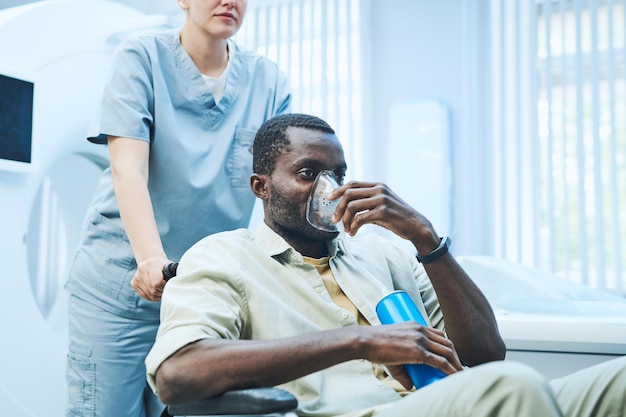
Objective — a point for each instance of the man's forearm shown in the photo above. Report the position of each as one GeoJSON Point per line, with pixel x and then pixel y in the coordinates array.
{"type": "Point", "coordinates": [470, 322]}
{"type": "Point", "coordinates": [212, 366]}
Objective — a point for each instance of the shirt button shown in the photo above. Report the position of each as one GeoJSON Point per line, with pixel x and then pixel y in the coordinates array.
{"type": "Point", "coordinates": [344, 315]}
{"type": "Point", "coordinates": [318, 289]}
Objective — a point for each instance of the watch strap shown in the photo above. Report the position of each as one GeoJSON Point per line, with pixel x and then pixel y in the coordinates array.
{"type": "Point", "coordinates": [442, 249]}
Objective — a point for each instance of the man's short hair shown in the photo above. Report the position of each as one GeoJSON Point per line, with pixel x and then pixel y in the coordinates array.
{"type": "Point", "coordinates": [271, 140]}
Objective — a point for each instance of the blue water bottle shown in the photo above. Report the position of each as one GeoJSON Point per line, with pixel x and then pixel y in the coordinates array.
{"type": "Point", "coordinates": [398, 307]}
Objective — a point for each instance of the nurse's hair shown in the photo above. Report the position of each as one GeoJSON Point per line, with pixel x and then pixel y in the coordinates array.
{"type": "Point", "coordinates": [272, 140]}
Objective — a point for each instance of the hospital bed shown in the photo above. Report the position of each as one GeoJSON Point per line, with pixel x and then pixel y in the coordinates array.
{"type": "Point", "coordinates": [549, 323]}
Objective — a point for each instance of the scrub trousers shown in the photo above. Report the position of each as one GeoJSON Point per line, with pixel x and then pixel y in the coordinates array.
{"type": "Point", "coordinates": [105, 369]}
{"type": "Point", "coordinates": [510, 389]}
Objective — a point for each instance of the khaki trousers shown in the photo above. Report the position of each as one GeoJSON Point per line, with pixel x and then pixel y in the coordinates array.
{"type": "Point", "coordinates": [510, 389]}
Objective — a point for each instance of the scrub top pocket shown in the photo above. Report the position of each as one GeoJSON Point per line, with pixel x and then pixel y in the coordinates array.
{"type": "Point", "coordinates": [240, 163]}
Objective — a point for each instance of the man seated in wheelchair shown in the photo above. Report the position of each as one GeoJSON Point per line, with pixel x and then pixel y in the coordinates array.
{"type": "Point", "coordinates": [293, 304]}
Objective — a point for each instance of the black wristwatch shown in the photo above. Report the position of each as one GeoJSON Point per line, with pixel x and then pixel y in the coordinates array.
{"type": "Point", "coordinates": [442, 249]}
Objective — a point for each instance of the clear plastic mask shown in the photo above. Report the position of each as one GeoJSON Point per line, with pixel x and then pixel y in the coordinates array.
{"type": "Point", "coordinates": [319, 210]}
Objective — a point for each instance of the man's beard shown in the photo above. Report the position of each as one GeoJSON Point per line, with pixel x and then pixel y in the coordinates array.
{"type": "Point", "coordinates": [290, 218]}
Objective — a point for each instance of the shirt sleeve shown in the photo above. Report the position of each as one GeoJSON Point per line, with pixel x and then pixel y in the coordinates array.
{"type": "Point", "coordinates": [428, 296]}
{"type": "Point", "coordinates": [202, 282]}
{"type": "Point", "coordinates": [409, 275]}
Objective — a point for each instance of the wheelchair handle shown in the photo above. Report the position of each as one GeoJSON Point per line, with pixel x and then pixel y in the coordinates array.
{"type": "Point", "coordinates": [169, 271]}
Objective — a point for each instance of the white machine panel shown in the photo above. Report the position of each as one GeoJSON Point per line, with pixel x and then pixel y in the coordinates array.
{"type": "Point", "coordinates": [61, 50]}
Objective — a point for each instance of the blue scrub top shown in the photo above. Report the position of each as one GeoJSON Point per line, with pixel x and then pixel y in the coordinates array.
{"type": "Point", "coordinates": [200, 155]}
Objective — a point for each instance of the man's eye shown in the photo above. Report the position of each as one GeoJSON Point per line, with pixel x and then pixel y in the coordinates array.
{"type": "Point", "coordinates": [308, 174]}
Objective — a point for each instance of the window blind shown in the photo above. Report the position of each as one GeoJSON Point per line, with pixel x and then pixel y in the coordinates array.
{"type": "Point", "coordinates": [559, 77]}
{"type": "Point", "coordinates": [317, 44]}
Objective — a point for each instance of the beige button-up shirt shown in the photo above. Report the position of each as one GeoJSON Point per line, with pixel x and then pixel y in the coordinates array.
{"type": "Point", "coordinates": [253, 285]}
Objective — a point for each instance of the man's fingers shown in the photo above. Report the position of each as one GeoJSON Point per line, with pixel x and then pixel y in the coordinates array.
{"type": "Point", "coordinates": [440, 352]}
{"type": "Point", "coordinates": [399, 374]}
{"type": "Point", "coordinates": [352, 185]}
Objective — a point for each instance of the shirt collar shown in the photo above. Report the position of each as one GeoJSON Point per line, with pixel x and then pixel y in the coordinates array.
{"type": "Point", "coordinates": [276, 246]}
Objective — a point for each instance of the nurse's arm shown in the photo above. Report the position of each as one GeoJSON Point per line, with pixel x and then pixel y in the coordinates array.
{"type": "Point", "coordinates": [129, 171]}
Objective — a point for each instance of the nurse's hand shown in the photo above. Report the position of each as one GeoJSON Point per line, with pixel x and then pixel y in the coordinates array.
{"type": "Point", "coordinates": [148, 281]}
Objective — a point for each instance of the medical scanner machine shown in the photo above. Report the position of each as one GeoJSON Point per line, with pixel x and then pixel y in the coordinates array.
{"type": "Point", "coordinates": [54, 57]}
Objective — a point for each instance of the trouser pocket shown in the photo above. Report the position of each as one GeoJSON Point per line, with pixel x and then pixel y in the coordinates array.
{"type": "Point", "coordinates": [81, 384]}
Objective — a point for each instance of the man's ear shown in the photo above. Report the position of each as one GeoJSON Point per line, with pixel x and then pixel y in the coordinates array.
{"type": "Point", "coordinates": [260, 185]}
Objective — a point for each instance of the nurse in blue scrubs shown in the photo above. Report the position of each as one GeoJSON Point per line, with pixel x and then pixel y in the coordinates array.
{"type": "Point", "coordinates": [179, 114]}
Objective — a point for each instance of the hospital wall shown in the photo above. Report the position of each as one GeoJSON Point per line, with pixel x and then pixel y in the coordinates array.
{"type": "Point", "coordinates": [436, 50]}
